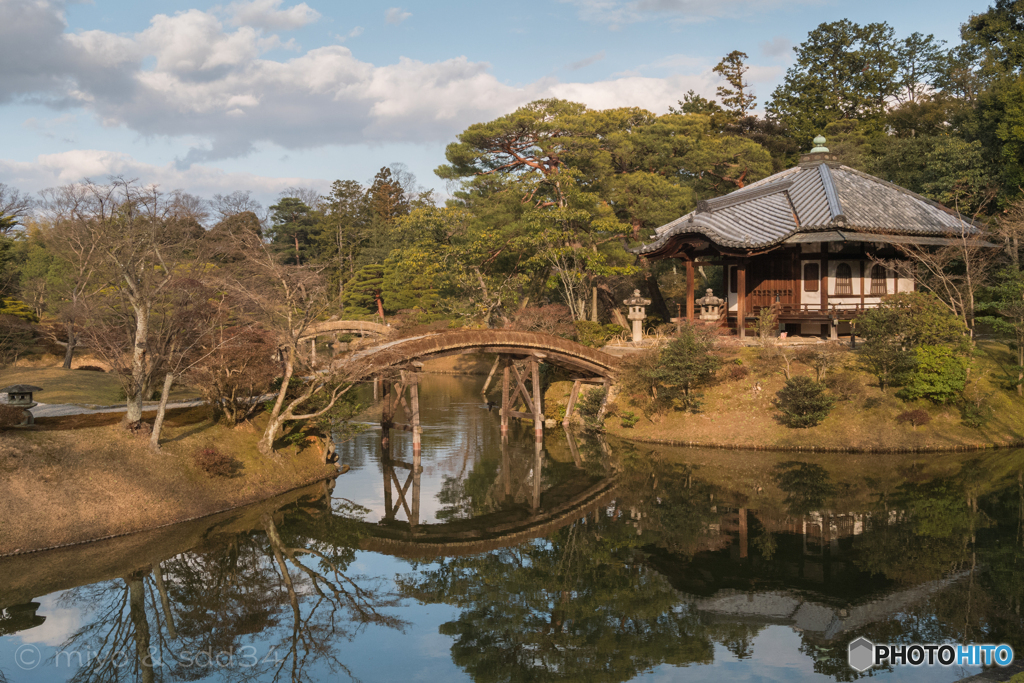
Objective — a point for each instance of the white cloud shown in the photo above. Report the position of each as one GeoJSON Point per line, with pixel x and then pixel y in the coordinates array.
{"type": "Point", "coordinates": [396, 15]}
{"type": "Point", "coordinates": [49, 170]}
{"type": "Point", "coordinates": [266, 14]}
{"type": "Point", "coordinates": [189, 78]}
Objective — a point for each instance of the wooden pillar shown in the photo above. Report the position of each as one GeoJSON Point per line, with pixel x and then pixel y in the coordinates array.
{"type": "Point", "coordinates": [414, 515]}
{"type": "Point", "coordinates": [538, 396]}
{"type": "Point", "coordinates": [505, 403]}
{"type": "Point", "coordinates": [573, 395]}
{"type": "Point", "coordinates": [506, 465]}
{"type": "Point", "coordinates": [312, 352]}
{"type": "Point", "coordinates": [862, 284]}
{"type": "Point", "coordinates": [538, 471]}
{"type": "Point", "coordinates": [826, 328]}
{"type": "Point", "coordinates": [386, 415]}
{"type": "Point", "coordinates": [414, 399]}
{"type": "Point", "coordinates": [376, 389]}
{"type": "Point", "coordinates": [573, 448]}
{"type": "Point", "coordinates": [690, 294]}
{"type": "Point", "coordinates": [389, 503]}
{"type": "Point", "coordinates": [490, 376]}
{"type": "Point", "coordinates": [895, 281]}
{"type": "Point", "coordinates": [741, 298]}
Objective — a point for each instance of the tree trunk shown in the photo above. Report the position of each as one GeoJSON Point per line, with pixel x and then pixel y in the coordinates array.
{"type": "Point", "coordinates": [69, 352]}
{"type": "Point", "coordinates": [266, 443]}
{"type": "Point", "coordinates": [138, 384]}
{"type": "Point", "coordinates": [660, 308]}
{"type": "Point", "coordinates": [137, 613]}
{"type": "Point", "coordinates": [154, 438]}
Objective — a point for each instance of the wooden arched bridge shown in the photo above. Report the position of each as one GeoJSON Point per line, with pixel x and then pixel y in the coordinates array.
{"type": "Point", "coordinates": [396, 364]}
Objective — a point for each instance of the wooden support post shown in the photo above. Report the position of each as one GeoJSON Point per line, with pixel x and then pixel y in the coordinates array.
{"type": "Point", "coordinates": [571, 440]}
{"type": "Point", "coordinates": [389, 505]}
{"type": "Point", "coordinates": [414, 515]}
{"type": "Point", "coordinates": [573, 395]}
{"type": "Point", "coordinates": [386, 416]}
{"type": "Point", "coordinates": [506, 465]}
{"type": "Point", "coordinates": [538, 471]}
{"type": "Point", "coordinates": [490, 376]}
{"type": "Point", "coordinates": [690, 294]}
{"type": "Point", "coordinates": [538, 396]}
{"type": "Point", "coordinates": [312, 352]}
{"type": "Point", "coordinates": [741, 299]}
{"type": "Point", "coordinates": [506, 405]}
{"type": "Point", "coordinates": [376, 389]}
{"type": "Point", "coordinates": [414, 398]}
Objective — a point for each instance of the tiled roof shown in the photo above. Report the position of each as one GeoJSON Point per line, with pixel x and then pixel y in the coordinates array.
{"type": "Point", "coordinates": [809, 198]}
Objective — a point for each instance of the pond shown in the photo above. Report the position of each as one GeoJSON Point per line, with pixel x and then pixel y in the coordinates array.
{"type": "Point", "coordinates": [574, 559]}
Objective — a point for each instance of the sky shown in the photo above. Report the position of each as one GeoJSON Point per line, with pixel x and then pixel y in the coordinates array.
{"type": "Point", "coordinates": [263, 95]}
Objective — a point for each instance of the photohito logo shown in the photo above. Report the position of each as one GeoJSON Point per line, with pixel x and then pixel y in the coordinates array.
{"type": "Point", "coordinates": [864, 654]}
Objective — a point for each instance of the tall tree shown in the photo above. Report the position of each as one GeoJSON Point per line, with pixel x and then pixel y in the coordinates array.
{"type": "Point", "coordinates": [737, 97]}
{"type": "Point", "coordinates": [843, 71]}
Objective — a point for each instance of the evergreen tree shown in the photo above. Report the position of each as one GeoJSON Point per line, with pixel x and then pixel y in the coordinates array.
{"type": "Point", "coordinates": [737, 98]}
{"type": "Point", "coordinates": [363, 292]}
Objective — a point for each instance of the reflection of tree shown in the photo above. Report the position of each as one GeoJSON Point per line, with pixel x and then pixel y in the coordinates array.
{"type": "Point", "coordinates": [571, 607]}
{"type": "Point", "coordinates": [808, 486]}
{"type": "Point", "coordinates": [245, 585]}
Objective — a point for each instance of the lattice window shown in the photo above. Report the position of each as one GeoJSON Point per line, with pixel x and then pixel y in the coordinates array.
{"type": "Point", "coordinates": [844, 279]}
{"type": "Point", "coordinates": [812, 277]}
{"type": "Point", "coordinates": [879, 286]}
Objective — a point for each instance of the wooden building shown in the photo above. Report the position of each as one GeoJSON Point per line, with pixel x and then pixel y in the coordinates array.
{"type": "Point", "coordinates": [806, 240]}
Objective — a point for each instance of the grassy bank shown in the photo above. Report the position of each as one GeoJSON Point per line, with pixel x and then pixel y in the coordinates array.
{"type": "Point", "coordinates": [740, 412]}
{"type": "Point", "coordinates": [83, 477]}
{"type": "Point", "coordinates": [80, 387]}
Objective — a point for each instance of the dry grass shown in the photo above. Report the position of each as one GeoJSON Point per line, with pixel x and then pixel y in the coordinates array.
{"type": "Point", "coordinates": [60, 485]}
{"type": "Point", "coordinates": [81, 387]}
{"type": "Point", "coordinates": [737, 413]}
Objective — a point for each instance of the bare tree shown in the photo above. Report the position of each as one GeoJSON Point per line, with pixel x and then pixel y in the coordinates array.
{"type": "Point", "coordinates": [290, 299]}
{"type": "Point", "coordinates": [1010, 229]}
{"type": "Point", "coordinates": [142, 242]}
{"type": "Point", "coordinates": [14, 207]}
{"type": "Point", "coordinates": [225, 206]}
{"type": "Point", "coordinates": [954, 272]}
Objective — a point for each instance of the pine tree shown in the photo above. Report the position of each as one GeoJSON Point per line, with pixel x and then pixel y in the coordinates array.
{"type": "Point", "coordinates": [738, 99]}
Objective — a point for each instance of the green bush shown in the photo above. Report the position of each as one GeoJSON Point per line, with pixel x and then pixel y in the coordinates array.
{"type": "Point", "coordinates": [803, 402]}
{"type": "Point", "coordinates": [939, 375]}
{"type": "Point", "coordinates": [629, 420]}
{"type": "Point", "coordinates": [589, 405]}
{"type": "Point", "coordinates": [594, 334]}
{"type": "Point", "coordinates": [656, 381]}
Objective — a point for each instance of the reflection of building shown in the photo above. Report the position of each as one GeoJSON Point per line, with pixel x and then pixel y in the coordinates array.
{"type": "Point", "coordinates": [19, 618]}
{"type": "Point", "coordinates": [808, 580]}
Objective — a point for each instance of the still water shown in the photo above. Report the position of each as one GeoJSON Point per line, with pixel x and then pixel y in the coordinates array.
{"type": "Point", "coordinates": [578, 559]}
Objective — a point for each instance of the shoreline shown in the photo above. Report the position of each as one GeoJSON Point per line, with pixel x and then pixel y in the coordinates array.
{"type": "Point", "coordinates": [960, 448]}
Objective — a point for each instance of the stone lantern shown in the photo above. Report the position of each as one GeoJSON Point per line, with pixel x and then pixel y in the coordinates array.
{"type": "Point", "coordinates": [637, 313]}
{"type": "Point", "coordinates": [20, 396]}
{"type": "Point", "coordinates": [710, 306]}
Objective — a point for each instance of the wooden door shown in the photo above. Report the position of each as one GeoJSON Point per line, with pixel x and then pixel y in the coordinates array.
{"type": "Point", "coordinates": [770, 278]}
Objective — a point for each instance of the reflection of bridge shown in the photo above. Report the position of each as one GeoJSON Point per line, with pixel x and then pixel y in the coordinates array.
{"type": "Point", "coordinates": [396, 365]}
{"type": "Point", "coordinates": [528, 510]}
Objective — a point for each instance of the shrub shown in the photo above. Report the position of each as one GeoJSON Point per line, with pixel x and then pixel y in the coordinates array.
{"type": "Point", "coordinates": [594, 334]}
{"type": "Point", "coordinates": [589, 405]}
{"type": "Point", "coordinates": [940, 375]}
{"type": "Point", "coordinates": [629, 420]}
{"type": "Point", "coordinates": [872, 402]}
{"type": "Point", "coordinates": [10, 416]}
{"type": "Point", "coordinates": [214, 463]}
{"type": "Point", "coordinates": [803, 402]}
{"type": "Point", "coordinates": [656, 381]}
{"type": "Point", "coordinates": [844, 385]}
{"type": "Point", "coordinates": [90, 368]}
{"type": "Point", "coordinates": [916, 417]}
{"type": "Point", "coordinates": [975, 411]}
{"type": "Point", "coordinates": [823, 358]}
{"type": "Point", "coordinates": [734, 373]}
{"type": "Point", "coordinates": [553, 319]}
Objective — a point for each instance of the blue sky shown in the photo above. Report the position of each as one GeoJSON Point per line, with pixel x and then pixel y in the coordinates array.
{"type": "Point", "coordinates": [261, 95]}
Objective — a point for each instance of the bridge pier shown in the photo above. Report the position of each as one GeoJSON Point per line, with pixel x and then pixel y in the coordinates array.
{"type": "Point", "coordinates": [510, 396]}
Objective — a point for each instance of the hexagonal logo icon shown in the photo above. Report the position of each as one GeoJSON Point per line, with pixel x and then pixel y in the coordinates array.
{"type": "Point", "coordinates": [862, 654]}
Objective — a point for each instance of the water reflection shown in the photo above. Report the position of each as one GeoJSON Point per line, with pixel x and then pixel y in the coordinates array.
{"type": "Point", "coordinates": [568, 559]}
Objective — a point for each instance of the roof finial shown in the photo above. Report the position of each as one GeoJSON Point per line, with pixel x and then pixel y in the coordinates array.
{"type": "Point", "coordinates": [819, 145]}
